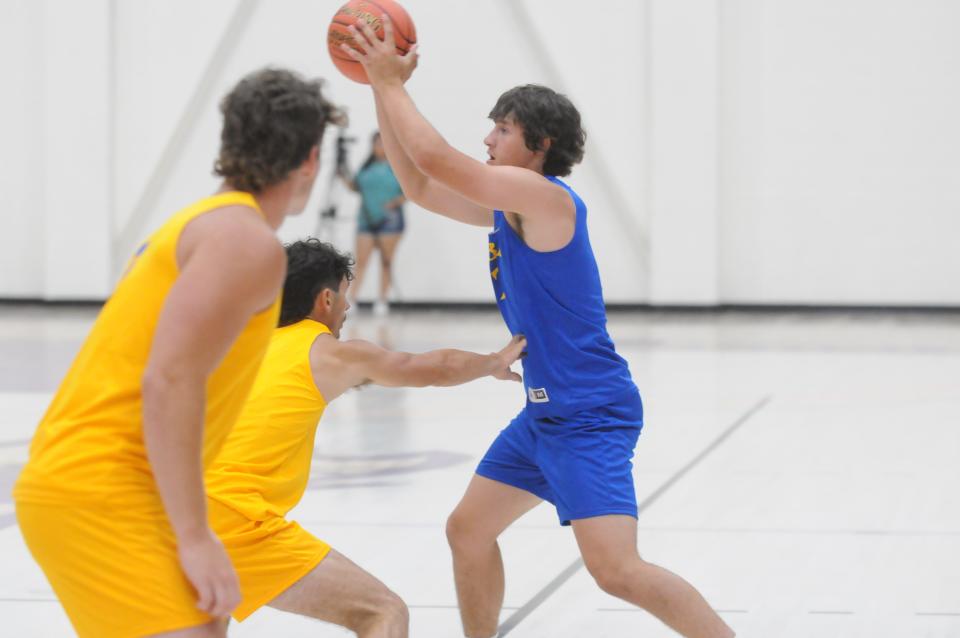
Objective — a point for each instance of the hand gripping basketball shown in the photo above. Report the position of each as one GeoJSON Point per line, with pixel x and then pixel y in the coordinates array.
{"type": "Point", "coordinates": [403, 33]}
{"type": "Point", "coordinates": [380, 60]}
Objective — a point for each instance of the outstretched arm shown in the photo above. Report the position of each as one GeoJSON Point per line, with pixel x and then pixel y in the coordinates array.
{"type": "Point", "coordinates": [508, 188]}
{"type": "Point", "coordinates": [341, 365]}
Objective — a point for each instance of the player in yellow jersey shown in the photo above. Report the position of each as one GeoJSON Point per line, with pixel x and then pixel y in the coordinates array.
{"type": "Point", "coordinates": [263, 468]}
{"type": "Point", "coordinates": [111, 502]}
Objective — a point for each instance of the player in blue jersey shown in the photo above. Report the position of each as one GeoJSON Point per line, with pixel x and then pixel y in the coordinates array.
{"type": "Point", "coordinates": [573, 442]}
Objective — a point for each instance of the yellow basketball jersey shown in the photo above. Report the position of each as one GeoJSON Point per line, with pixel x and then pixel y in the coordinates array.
{"type": "Point", "coordinates": [264, 466]}
{"type": "Point", "coordinates": [89, 447]}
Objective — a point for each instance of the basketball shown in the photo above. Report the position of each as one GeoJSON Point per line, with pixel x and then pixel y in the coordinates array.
{"type": "Point", "coordinates": [371, 12]}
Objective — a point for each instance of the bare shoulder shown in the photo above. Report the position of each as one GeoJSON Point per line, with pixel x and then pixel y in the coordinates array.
{"type": "Point", "coordinates": [552, 225]}
{"type": "Point", "coordinates": [540, 194]}
{"type": "Point", "coordinates": [325, 351]}
{"type": "Point", "coordinates": [235, 224]}
{"type": "Point", "coordinates": [559, 198]}
{"type": "Point", "coordinates": [340, 365]}
{"type": "Point", "coordinates": [237, 231]}
{"type": "Point", "coordinates": [234, 250]}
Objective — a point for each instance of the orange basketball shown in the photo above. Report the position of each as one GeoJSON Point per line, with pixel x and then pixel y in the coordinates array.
{"type": "Point", "coordinates": [370, 12]}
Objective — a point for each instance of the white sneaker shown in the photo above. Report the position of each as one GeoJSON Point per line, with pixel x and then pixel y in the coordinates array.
{"type": "Point", "coordinates": [381, 308]}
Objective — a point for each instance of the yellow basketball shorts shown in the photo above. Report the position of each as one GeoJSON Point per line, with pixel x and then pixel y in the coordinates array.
{"type": "Point", "coordinates": [269, 555]}
{"type": "Point", "coordinates": [115, 572]}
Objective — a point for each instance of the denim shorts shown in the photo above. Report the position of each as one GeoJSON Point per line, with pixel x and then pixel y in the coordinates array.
{"type": "Point", "coordinates": [392, 224]}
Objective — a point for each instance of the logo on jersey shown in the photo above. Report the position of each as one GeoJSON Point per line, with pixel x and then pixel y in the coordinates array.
{"type": "Point", "coordinates": [133, 259]}
{"type": "Point", "coordinates": [495, 272]}
{"type": "Point", "coordinates": [538, 395]}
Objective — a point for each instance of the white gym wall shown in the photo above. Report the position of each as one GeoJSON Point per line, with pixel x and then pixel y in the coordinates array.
{"type": "Point", "coordinates": [740, 151]}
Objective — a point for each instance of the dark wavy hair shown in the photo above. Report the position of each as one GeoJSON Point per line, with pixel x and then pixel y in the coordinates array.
{"type": "Point", "coordinates": [312, 266]}
{"type": "Point", "coordinates": [545, 114]}
{"type": "Point", "coordinates": [271, 120]}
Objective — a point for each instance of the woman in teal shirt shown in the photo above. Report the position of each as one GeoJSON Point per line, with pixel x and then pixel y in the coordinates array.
{"type": "Point", "coordinates": [380, 222]}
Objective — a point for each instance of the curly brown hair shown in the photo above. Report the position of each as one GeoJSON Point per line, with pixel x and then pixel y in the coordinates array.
{"type": "Point", "coordinates": [271, 121]}
{"type": "Point", "coordinates": [545, 114]}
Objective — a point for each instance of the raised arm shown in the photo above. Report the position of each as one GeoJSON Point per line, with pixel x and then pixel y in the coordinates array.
{"type": "Point", "coordinates": [508, 188]}
{"type": "Point", "coordinates": [339, 366]}
{"type": "Point", "coordinates": [423, 190]}
{"type": "Point", "coordinates": [205, 311]}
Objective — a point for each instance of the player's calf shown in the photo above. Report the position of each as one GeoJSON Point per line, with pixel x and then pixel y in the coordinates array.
{"type": "Point", "coordinates": [660, 592]}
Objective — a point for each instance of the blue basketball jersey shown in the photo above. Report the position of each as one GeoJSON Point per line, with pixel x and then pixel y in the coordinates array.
{"type": "Point", "coordinates": [555, 300]}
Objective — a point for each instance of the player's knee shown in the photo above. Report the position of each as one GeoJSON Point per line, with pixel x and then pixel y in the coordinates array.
{"type": "Point", "coordinates": [392, 606]}
{"type": "Point", "coordinates": [461, 532]}
{"type": "Point", "coordinates": [455, 530]}
{"type": "Point", "coordinates": [395, 611]}
{"type": "Point", "coordinates": [385, 610]}
{"type": "Point", "coordinates": [616, 579]}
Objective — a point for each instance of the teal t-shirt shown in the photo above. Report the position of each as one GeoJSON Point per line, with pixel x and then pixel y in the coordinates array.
{"type": "Point", "coordinates": [377, 185]}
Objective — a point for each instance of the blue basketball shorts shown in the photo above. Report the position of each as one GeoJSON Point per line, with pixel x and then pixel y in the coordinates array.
{"type": "Point", "coordinates": [582, 463]}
